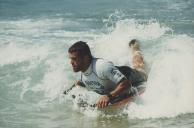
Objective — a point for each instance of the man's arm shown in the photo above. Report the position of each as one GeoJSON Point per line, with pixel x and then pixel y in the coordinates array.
{"type": "Point", "coordinates": [124, 84]}
{"type": "Point", "coordinates": [110, 72]}
{"type": "Point", "coordinates": [121, 86]}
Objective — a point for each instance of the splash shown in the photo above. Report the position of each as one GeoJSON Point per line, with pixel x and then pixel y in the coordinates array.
{"type": "Point", "coordinates": [14, 53]}
{"type": "Point", "coordinates": [116, 42]}
{"type": "Point", "coordinates": [170, 83]}
{"type": "Point", "coordinates": [169, 58]}
{"type": "Point", "coordinates": [170, 61]}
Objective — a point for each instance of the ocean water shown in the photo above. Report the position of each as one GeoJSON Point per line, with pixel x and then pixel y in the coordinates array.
{"type": "Point", "coordinates": [35, 70]}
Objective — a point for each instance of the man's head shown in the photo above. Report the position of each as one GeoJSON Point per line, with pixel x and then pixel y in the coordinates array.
{"type": "Point", "coordinates": [80, 56]}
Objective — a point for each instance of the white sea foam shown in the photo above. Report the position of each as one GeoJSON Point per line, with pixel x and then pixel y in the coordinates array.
{"type": "Point", "coordinates": [114, 46]}
{"type": "Point", "coordinates": [42, 27]}
{"type": "Point", "coordinates": [13, 53]}
{"type": "Point", "coordinates": [53, 81]}
{"type": "Point", "coordinates": [36, 24]}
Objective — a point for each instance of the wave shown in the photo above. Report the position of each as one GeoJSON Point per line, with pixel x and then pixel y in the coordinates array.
{"type": "Point", "coordinates": [169, 57]}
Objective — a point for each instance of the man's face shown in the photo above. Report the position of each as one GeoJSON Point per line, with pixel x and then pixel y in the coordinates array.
{"type": "Point", "coordinates": [76, 61]}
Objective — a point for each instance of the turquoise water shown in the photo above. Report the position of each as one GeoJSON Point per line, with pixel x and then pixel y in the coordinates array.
{"type": "Point", "coordinates": [34, 66]}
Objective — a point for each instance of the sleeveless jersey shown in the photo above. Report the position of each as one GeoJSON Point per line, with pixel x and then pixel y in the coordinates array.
{"type": "Point", "coordinates": [101, 76]}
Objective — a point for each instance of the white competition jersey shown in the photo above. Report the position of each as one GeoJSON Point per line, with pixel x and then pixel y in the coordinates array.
{"type": "Point", "coordinates": [101, 76]}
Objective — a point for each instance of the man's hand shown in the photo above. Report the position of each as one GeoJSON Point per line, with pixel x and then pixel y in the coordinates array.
{"type": "Point", "coordinates": [103, 101]}
{"type": "Point", "coordinates": [78, 83]}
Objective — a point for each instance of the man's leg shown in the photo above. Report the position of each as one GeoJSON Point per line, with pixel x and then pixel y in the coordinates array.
{"type": "Point", "coordinates": [137, 58]}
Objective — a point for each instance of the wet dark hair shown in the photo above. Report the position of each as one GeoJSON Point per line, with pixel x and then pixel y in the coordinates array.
{"type": "Point", "coordinates": [81, 48]}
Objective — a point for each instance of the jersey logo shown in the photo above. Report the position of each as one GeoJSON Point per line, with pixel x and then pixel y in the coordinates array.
{"type": "Point", "coordinates": [95, 86]}
{"type": "Point", "coordinates": [115, 72]}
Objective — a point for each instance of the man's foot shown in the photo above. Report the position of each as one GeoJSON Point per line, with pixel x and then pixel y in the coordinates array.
{"type": "Point", "coordinates": [134, 45]}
